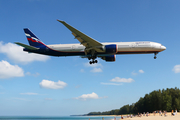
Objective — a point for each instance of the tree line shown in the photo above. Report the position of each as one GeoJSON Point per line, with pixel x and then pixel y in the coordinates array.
{"type": "Point", "coordinates": [167, 100]}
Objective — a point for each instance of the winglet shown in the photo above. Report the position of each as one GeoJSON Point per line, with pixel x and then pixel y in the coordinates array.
{"type": "Point", "coordinates": [72, 29]}
{"type": "Point", "coordinates": [60, 21]}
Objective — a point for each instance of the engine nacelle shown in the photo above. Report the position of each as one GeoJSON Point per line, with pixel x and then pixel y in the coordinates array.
{"type": "Point", "coordinates": [111, 48]}
{"type": "Point", "coordinates": [110, 58]}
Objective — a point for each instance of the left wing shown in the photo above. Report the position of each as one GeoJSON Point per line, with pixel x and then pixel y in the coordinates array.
{"type": "Point", "coordinates": [85, 40]}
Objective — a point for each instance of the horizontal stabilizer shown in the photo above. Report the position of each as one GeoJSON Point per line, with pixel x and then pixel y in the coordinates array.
{"type": "Point", "coordinates": [27, 46]}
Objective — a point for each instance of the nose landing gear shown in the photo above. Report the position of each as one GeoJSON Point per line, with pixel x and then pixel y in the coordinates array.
{"type": "Point", "coordinates": [155, 55]}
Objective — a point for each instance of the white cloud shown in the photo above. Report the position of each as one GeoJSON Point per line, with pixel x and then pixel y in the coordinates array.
{"type": "Point", "coordinates": [1, 87]}
{"type": "Point", "coordinates": [7, 70]}
{"type": "Point", "coordinates": [96, 70]}
{"type": "Point", "coordinates": [78, 86]}
{"type": "Point", "coordinates": [141, 71]}
{"type": "Point", "coordinates": [48, 99]}
{"type": "Point", "coordinates": [117, 79]}
{"type": "Point", "coordinates": [17, 54]}
{"type": "Point", "coordinates": [134, 73]}
{"type": "Point", "coordinates": [110, 83]}
{"type": "Point", "coordinates": [88, 96]}
{"type": "Point", "coordinates": [30, 74]}
{"type": "Point", "coordinates": [52, 85]}
{"type": "Point", "coordinates": [92, 65]}
{"type": "Point", "coordinates": [29, 93]}
{"type": "Point", "coordinates": [82, 70]}
{"type": "Point", "coordinates": [97, 67]}
{"type": "Point", "coordinates": [176, 69]}
{"type": "Point", "coordinates": [23, 99]}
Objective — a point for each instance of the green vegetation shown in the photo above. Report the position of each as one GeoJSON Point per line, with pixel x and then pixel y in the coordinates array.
{"type": "Point", "coordinates": [167, 100]}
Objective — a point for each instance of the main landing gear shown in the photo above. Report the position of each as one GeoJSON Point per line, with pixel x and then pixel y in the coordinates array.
{"type": "Point", "coordinates": [155, 55]}
{"type": "Point", "coordinates": [93, 60]}
{"type": "Point", "coordinates": [93, 57]}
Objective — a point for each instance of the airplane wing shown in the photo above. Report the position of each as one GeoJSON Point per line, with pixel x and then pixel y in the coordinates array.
{"type": "Point", "coordinates": [26, 46]}
{"type": "Point", "coordinates": [85, 40]}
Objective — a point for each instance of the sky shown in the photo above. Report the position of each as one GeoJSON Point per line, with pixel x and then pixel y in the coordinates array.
{"type": "Point", "coordinates": [37, 85]}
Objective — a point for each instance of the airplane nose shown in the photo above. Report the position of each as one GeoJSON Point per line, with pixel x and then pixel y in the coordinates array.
{"type": "Point", "coordinates": [163, 47]}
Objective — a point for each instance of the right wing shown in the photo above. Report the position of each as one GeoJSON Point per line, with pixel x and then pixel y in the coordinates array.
{"type": "Point", "coordinates": [85, 40]}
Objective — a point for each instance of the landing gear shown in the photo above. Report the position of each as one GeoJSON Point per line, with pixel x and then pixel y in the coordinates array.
{"type": "Point", "coordinates": [92, 62]}
{"type": "Point", "coordinates": [93, 57]}
{"type": "Point", "coordinates": [155, 55]}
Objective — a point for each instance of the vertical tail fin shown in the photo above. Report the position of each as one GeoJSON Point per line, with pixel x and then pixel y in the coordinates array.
{"type": "Point", "coordinates": [32, 39]}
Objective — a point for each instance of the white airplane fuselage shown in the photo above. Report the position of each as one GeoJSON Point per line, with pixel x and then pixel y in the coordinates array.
{"type": "Point", "coordinates": [122, 48]}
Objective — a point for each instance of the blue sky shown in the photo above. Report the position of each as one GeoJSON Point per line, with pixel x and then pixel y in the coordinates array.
{"type": "Point", "coordinates": [57, 86]}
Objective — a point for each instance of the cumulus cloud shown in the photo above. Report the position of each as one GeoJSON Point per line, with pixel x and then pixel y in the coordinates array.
{"type": "Point", "coordinates": [118, 79]}
{"type": "Point", "coordinates": [8, 71]}
{"type": "Point", "coordinates": [93, 65]}
{"type": "Point", "coordinates": [31, 74]}
{"type": "Point", "coordinates": [17, 54]}
{"type": "Point", "coordinates": [52, 85]}
{"type": "Point", "coordinates": [96, 70]}
{"type": "Point", "coordinates": [176, 69]}
{"type": "Point", "coordinates": [141, 71]}
{"type": "Point", "coordinates": [134, 73]}
{"type": "Point", "coordinates": [88, 96]}
{"type": "Point", "coordinates": [29, 93]}
{"type": "Point", "coordinates": [96, 67]}
{"type": "Point", "coordinates": [111, 83]}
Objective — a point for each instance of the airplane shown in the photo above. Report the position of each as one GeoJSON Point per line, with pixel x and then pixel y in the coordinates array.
{"type": "Point", "coordinates": [89, 47]}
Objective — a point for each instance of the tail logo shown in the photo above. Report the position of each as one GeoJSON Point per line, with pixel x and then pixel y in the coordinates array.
{"type": "Point", "coordinates": [33, 39]}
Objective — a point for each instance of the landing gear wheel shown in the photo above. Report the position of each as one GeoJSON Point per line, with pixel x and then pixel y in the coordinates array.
{"type": "Point", "coordinates": [155, 55]}
{"type": "Point", "coordinates": [92, 62]}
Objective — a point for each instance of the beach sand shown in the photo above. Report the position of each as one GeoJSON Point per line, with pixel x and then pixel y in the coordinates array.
{"type": "Point", "coordinates": [156, 117]}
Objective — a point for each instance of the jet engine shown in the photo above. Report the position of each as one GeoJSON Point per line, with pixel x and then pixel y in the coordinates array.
{"type": "Point", "coordinates": [111, 48]}
{"type": "Point", "coordinates": [110, 58]}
